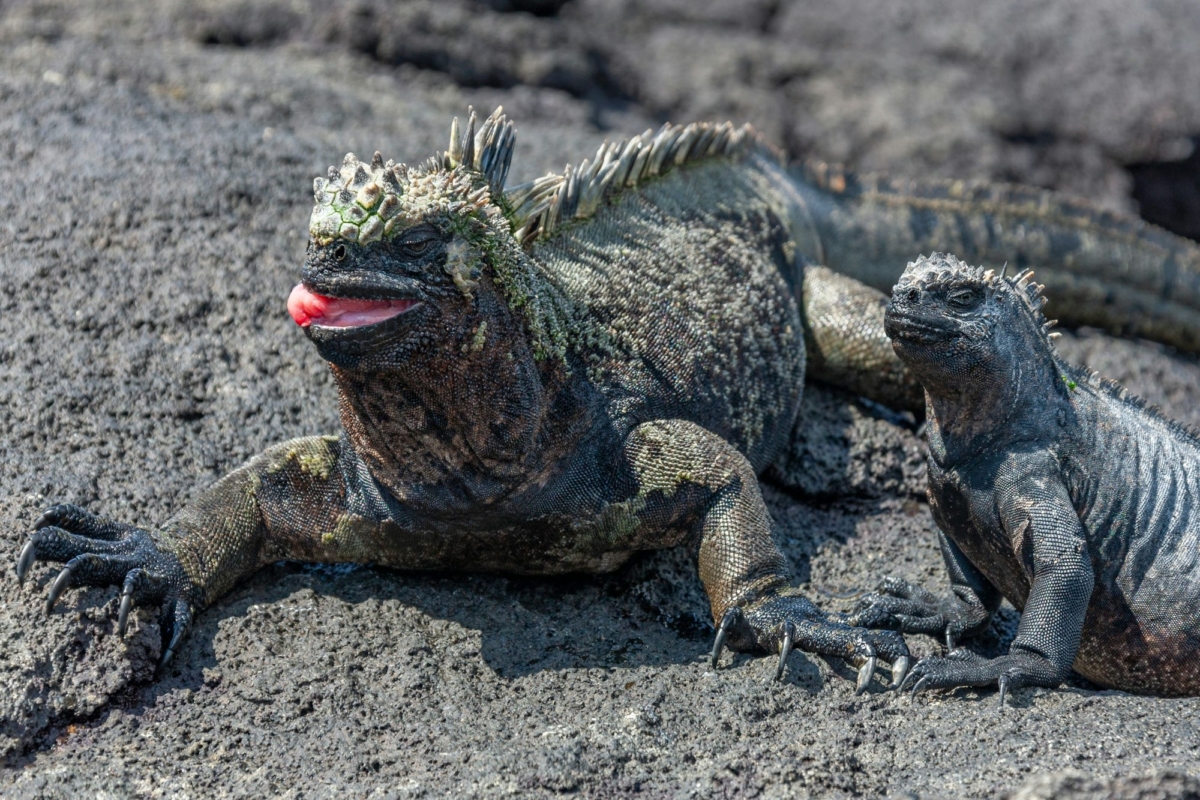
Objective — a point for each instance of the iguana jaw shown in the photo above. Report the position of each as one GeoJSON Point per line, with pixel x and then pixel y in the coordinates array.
{"type": "Point", "coordinates": [308, 308]}
{"type": "Point", "coordinates": [916, 329]}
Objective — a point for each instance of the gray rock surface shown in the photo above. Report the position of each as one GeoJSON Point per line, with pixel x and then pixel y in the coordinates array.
{"type": "Point", "coordinates": [159, 158]}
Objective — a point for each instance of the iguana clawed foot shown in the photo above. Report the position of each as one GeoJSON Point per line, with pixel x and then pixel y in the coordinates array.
{"type": "Point", "coordinates": [963, 668]}
{"type": "Point", "coordinates": [783, 622]}
{"type": "Point", "coordinates": [899, 605]}
{"type": "Point", "coordinates": [100, 552]}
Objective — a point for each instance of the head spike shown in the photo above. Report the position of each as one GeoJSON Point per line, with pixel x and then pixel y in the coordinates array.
{"type": "Point", "coordinates": [454, 154]}
{"type": "Point", "coordinates": [493, 147]}
{"type": "Point", "coordinates": [469, 155]}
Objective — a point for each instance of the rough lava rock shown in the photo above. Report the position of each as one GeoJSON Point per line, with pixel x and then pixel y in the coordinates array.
{"type": "Point", "coordinates": [158, 160]}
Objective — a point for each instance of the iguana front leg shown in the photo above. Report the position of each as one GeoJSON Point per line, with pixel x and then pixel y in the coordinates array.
{"type": "Point", "coordinates": [743, 572]}
{"type": "Point", "coordinates": [1037, 515]}
{"type": "Point", "coordinates": [897, 604]}
{"type": "Point", "coordinates": [288, 502]}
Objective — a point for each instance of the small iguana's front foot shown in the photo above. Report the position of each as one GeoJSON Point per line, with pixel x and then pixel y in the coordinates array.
{"type": "Point", "coordinates": [100, 552]}
{"type": "Point", "coordinates": [963, 668]}
{"type": "Point", "coordinates": [786, 620]}
{"type": "Point", "coordinates": [899, 605]}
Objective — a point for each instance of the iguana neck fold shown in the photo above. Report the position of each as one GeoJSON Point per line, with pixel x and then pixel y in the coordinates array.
{"type": "Point", "coordinates": [473, 415]}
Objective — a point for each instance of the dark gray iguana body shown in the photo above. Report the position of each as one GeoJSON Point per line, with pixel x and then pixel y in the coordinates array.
{"type": "Point", "coordinates": [1052, 488]}
{"type": "Point", "coordinates": [556, 377]}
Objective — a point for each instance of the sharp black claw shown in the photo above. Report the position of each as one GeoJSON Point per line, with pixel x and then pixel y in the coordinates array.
{"type": "Point", "coordinates": [899, 671]}
{"type": "Point", "coordinates": [25, 560]}
{"type": "Point", "coordinates": [179, 626]}
{"type": "Point", "coordinates": [785, 650]}
{"type": "Point", "coordinates": [866, 671]}
{"type": "Point", "coordinates": [170, 651]}
{"type": "Point", "coordinates": [58, 587]}
{"type": "Point", "coordinates": [43, 521]}
{"type": "Point", "coordinates": [949, 641]}
{"type": "Point", "coordinates": [1003, 681]}
{"type": "Point", "coordinates": [921, 684]}
{"type": "Point", "coordinates": [123, 613]}
{"type": "Point", "coordinates": [727, 622]}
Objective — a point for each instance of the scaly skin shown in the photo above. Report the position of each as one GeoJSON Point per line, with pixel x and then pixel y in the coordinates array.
{"type": "Point", "coordinates": [586, 366]}
{"type": "Point", "coordinates": [1052, 488]}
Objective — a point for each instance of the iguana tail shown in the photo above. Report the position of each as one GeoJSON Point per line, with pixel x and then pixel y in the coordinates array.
{"type": "Point", "coordinates": [1100, 268]}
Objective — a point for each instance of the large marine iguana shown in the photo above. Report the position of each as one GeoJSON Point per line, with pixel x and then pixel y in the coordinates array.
{"type": "Point", "coordinates": [552, 377]}
{"type": "Point", "coordinates": [1053, 488]}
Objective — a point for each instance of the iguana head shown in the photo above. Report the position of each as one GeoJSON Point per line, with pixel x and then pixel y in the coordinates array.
{"type": "Point", "coordinates": [401, 258]}
{"type": "Point", "coordinates": [963, 328]}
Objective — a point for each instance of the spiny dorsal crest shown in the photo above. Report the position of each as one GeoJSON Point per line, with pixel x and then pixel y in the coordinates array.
{"type": "Point", "coordinates": [489, 151]}
{"type": "Point", "coordinates": [941, 268]}
{"type": "Point", "coordinates": [541, 206]}
{"type": "Point", "coordinates": [363, 202]}
{"type": "Point", "coordinates": [1024, 287]}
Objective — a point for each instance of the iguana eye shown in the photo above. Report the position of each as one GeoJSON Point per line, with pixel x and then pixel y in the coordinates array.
{"type": "Point", "coordinates": [419, 241]}
{"type": "Point", "coordinates": [418, 247]}
{"type": "Point", "coordinates": [339, 252]}
{"type": "Point", "coordinates": [964, 299]}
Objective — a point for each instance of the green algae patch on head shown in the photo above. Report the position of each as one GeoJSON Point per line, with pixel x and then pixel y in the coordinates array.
{"type": "Point", "coordinates": [461, 192]}
{"type": "Point", "coordinates": [363, 203]}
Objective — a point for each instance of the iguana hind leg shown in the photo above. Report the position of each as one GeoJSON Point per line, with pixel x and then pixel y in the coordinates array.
{"type": "Point", "coordinates": [846, 344]}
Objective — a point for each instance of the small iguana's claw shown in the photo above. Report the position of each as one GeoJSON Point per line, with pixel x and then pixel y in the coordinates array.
{"type": "Point", "coordinates": [786, 620]}
{"type": "Point", "coordinates": [100, 552]}
{"type": "Point", "coordinates": [899, 605]}
{"type": "Point", "coordinates": [964, 668]}
{"type": "Point", "coordinates": [25, 560]}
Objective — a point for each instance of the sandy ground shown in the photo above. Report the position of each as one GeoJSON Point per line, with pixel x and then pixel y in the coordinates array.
{"type": "Point", "coordinates": [159, 159]}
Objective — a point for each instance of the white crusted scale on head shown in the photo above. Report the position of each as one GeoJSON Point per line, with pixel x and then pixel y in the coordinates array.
{"type": "Point", "coordinates": [942, 268]}
{"type": "Point", "coordinates": [366, 202]}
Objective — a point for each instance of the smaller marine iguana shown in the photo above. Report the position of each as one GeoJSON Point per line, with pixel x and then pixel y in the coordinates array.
{"type": "Point", "coordinates": [1053, 488]}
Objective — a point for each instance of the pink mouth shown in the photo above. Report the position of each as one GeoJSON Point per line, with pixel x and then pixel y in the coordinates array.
{"type": "Point", "coordinates": [337, 312]}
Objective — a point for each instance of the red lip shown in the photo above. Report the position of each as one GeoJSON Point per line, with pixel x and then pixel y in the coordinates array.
{"type": "Point", "coordinates": [308, 308]}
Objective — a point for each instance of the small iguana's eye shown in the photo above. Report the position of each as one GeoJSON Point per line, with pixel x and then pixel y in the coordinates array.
{"type": "Point", "coordinates": [964, 299]}
{"type": "Point", "coordinates": [339, 252]}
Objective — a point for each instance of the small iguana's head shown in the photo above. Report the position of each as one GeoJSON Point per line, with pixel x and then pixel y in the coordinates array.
{"type": "Point", "coordinates": [397, 255]}
{"type": "Point", "coordinates": [962, 328]}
